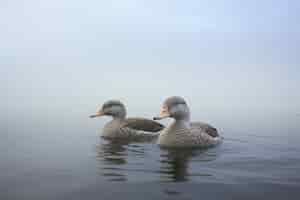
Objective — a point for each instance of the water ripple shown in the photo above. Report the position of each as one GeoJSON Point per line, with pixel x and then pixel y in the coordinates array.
{"type": "Point", "coordinates": [129, 161]}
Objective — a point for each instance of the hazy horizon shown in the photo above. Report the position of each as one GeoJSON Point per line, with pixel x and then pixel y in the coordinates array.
{"type": "Point", "coordinates": [70, 56]}
{"type": "Point", "coordinates": [235, 62]}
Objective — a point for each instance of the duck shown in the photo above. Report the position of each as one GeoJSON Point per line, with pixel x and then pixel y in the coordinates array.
{"type": "Point", "coordinates": [182, 132]}
{"type": "Point", "coordinates": [121, 127]}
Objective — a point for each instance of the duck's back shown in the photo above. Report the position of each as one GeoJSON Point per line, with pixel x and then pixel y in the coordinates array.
{"type": "Point", "coordinates": [132, 129]}
{"type": "Point", "coordinates": [207, 128]}
{"type": "Point", "coordinates": [205, 134]}
{"type": "Point", "coordinates": [142, 124]}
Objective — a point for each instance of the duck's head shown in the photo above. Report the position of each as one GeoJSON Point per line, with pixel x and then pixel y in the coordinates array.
{"type": "Point", "coordinates": [174, 107]}
{"type": "Point", "coordinates": [113, 108]}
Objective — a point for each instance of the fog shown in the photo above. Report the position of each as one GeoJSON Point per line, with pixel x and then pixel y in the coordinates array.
{"type": "Point", "coordinates": [233, 58]}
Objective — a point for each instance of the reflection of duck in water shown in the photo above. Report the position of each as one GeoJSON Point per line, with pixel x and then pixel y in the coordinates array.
{"type": "Point", "coordinates": [112, 155]}
{"type": "Point", "coordinates": [112, 152]}
{"type": "Point", "coordinates": [182, 132]}
{"type": "Point", "coordinates": [113, 158]}
{"type": "Point", "coordinates": [175, 163]}
{"type": "Point", "coordinates": [126, 128]}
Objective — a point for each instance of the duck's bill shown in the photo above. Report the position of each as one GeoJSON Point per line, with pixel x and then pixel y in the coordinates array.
{"type": "Point", "coordinates": [163, 114]}
{"type": "Point", "coordinates": [98, 114]}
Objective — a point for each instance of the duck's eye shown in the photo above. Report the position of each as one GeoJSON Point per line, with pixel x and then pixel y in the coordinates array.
{"type": "Point", "coordinates": [181, 103]}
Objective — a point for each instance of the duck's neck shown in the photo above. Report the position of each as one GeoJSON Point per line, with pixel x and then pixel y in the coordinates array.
{"type": "Point", "coordinates": [182, 120]}
{"type": "Point", "coordinates": [118, 118]}
{"type": "Point", "coordinates": [182, 123]}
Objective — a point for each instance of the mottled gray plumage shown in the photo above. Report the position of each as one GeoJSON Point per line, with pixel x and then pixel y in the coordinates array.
{"type": "Point", "coordinates": [121, 127]}
{"type": "Point", "coordinates": [142, 124]}
{"type": "Point", "coordinates": [210, 130]}
{"type": "Point", "coordinates": [182, 132]}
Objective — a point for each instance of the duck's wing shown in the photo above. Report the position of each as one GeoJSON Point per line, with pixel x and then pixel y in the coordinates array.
{"type": "Point", "coordinates": [207, 128]}
{"type": "Point", "coordinates": [142, 124]}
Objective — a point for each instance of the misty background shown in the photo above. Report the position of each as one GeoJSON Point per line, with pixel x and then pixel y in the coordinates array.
{"type": "Point", "coordinates": [235, 62]}
{"type": "Point", "coordinates": [61, 59]}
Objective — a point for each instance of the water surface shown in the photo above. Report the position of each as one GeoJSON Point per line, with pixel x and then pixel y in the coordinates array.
{"type": "Point", "coordinates": [47, 158]}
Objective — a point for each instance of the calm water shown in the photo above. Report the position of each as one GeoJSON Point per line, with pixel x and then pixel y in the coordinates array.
{"type": "Point", "coordinates": [56, 157]}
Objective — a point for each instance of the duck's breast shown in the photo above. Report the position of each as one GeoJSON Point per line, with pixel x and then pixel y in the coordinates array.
{"type": "Point", "coordinates": [195, 135]}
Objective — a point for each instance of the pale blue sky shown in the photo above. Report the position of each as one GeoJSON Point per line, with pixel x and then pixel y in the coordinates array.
{"type": "Point", "coordinates": [67, 55]}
